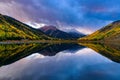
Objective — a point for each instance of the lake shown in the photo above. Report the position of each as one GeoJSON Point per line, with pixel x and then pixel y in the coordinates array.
{"type": "Point", "coordinates": [82, 61]}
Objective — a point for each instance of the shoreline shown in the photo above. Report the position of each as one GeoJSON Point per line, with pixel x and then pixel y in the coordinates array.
{"type": "Point", "coordinates": [39, 41]}
{"type": "Point", "coordinates": [54, 41]}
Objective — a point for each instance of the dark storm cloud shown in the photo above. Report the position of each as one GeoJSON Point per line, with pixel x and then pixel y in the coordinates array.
{"type": "Point", "coordinates": [82, 13]}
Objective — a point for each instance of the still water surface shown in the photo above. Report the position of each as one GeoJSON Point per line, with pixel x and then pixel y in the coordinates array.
{"type": "Point", "coordinates": [59, 62]}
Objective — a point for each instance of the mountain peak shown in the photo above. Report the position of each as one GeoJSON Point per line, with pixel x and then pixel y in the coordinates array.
{"type": "Point", "coordinates": [48, 27]}
{"type": "Point", "coordinates": [54, 32]}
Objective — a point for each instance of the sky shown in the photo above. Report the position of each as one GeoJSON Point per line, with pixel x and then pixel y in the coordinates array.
{"type": "Point", "coordinates": [85, 16]}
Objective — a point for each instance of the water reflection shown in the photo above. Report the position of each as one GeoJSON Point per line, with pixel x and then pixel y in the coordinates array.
{"type": "Point", "coordinates": [10, 53]}
{"type": "Point", "coordinates": [68, 62]}
{"type": "Point", "coordinates": [53, 49]}
{"type": "Point", "coordinates": [111, 51]}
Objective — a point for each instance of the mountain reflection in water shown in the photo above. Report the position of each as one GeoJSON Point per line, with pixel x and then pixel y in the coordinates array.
{"type": "Point", "coordinates": [10, 53]}
{"type": "Point", "coordinates": [59, 62]}
{"type": "Point", "coordinates": [111, 51]}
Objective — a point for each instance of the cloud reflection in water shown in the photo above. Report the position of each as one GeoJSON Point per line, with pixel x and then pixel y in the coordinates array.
{"type": "Point", "coordinates": [85, 64]}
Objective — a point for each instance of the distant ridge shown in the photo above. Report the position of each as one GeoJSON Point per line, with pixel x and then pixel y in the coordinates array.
{"type": "Point", "coordinates": [56, 33]}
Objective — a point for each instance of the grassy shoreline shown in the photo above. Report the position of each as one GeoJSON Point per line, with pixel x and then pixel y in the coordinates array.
{"type": "Point", "coordinates": [38, 41]}
{"type": "Point", "coordinates": [54, 41]}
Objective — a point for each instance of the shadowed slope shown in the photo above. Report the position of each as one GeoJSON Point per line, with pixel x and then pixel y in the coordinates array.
{"type": "Point", "coordinates": [56, 33]}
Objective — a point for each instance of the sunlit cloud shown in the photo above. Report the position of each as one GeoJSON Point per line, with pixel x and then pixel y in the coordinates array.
{"type": "Point", "coordinates": [14, 10]}
{"type": "Point", "coordinates": [35, 25]}
{"type": "Point", "coordinates": [85, 31]}
{"type": "Point", "coordinates": [86, 14]}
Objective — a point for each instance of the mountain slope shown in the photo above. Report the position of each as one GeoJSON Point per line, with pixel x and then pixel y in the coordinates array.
{"type": "Point", "coordinates": [12, 29]}
{"type": "Point", "coordinates": [76, 34]}
{"type": "Point", "coordinates": [56, 33]}
{"type": "Point", "coordinates": [110, 32]}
